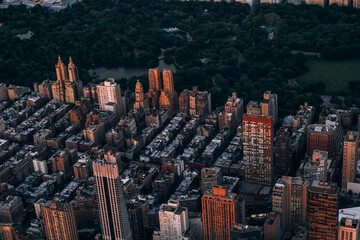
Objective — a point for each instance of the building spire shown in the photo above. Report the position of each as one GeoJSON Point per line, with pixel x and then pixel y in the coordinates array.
{"type": "Point", "coordinates": [71, 62]}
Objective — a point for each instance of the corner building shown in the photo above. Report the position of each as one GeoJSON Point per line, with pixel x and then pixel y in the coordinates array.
{"type": "Point", "coordinates": [221, 210]}
{"type": "Point", "coordinates": [59, 221]}
{"type": "Point", "coordinates": [258, 149]}
{"type": "Point", "coordinates": [322, 216]}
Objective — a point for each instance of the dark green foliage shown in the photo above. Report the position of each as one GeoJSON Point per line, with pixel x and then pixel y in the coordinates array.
{"type": "Point", "coordinates": [229, 43]}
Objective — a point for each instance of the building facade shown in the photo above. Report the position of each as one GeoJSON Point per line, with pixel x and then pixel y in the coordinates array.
{"type": "Point", "coordinates": [322, 213]}
{"type": "Point", "coordinates": [258, 149]}
{"type": "Point", "coordinates": [114, 220]}
{"type": "Point", "coordinates": [221, 210]}
{"type": "Point", "coordinates": [195, 102]}
{"type": "Point", "coordinates": [350, 158]}
{"type": "Point", "coordinates": [110, 98]}
{"type": "Point", "coordinates": [68, 87]}
{"type": "Point", "coordinates": [59, 221]}
{"type": "Point", "coordinates": [174, 221]}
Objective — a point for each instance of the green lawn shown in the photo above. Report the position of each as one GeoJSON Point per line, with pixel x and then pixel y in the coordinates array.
{"type": "Point", "coordinates": [335, 74]}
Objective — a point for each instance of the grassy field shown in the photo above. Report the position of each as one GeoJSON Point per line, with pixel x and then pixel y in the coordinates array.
{"type": "Point", "coordinates": [335, 74]}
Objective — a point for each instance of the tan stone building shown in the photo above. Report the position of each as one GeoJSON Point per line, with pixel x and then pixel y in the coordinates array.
{"type": "Point", "coordinates": [140, 99]}
{"type": "Point", "coordinates": [350, 157]}
{"type": "Point", "coordinates": [68, 88]}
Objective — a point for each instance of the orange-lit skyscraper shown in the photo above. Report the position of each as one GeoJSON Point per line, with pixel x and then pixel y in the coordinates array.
{"type": "Point", "coordinates": [114, 220]}
{"type": "Point", "coordinates": [59, 221]}
{"type": "Point", "coordinates": [154, 87]}
{"type": "Point", "coordinates": [322, 216]}
{"type": "Point", "coordinates": [221, 210]}
{"type": "Point", "coordinates": [168, 80]}
{"type": "Point", "coordinates": [154, 79]}
{"type": "Point", "coordinates": [350, 157]}
{"type": "Point", "coordinates": [67, 89]}
{"type": "Point", "coordinates": [258, 148]}
{"type": "Point", "coordinates": [168, 98]}
{"type": "Point", "coordinates": [140, 100]}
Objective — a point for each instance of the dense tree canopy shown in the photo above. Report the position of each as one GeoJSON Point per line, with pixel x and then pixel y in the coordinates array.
{"type": "Point", "coordinates": [230, 47]}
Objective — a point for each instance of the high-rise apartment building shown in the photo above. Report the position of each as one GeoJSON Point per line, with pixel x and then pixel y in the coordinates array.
{"type": "Point", "coordinates": [174, 221]}
{"type": "Point", "coordinates": [348, 229]}
{"type": "Point", "coordinates": [140, 99]}
{"type": "Point", "coordinates": [282, 160]}
{"type": "Point", "coordinates": [221, 210]}
{"type": "Point", "coordinates": [210, 177]}
{"type": "Point", "coordinates": [137, 218]}
{"type": "Point", "coordinates": [168, 98]}
{"type": "Point", "coordinates": [110, 98]}
{"type": "Point", "coordinates": [154, 79]}
{"type": "Point", "coordinates": [322, 211]}
{"type": "Point", "coordinates": [168, 80]}
{"type": "Point", "coordinates": [11, 210]}
{"type": "Point", "coordinates": [61, 162]}
{"type": "Point", "coordinates": [45, 89]}
{"type": "Point", "coordinates": [350, 158]}
{"type": "Point", "coordinates": [154, 87]}
{"type": "Point", "coordinates": [8, 232]}
{"type": "Point", "coordinates": [114, 220]}
{"type": "Point", "coordinates": [269, 105]}
{"type": "Point", "coordinates": [235, 106]}
{"type": "Point", "coordinates": [59, 221]}
{"type": "Point", "coordinates": [290, 200]}
{"type": "Point", "coordinates": [258, 149]}
{"type": "Point", "coordinates": [68, 88]}
{"type": "Point", "coordinates": [325, 137]}
{"type": "Point", "coordinates": [195, 102]}
{"type": "Point", "coordinates": [322, 137]}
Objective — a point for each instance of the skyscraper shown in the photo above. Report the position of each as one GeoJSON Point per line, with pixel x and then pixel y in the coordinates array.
{"type": "Point", "coordinates": [140, 99]}
{"type": "Point", "coordinates": [322, 213]}
{"type": "Point", "coordinates": [195, 102]}
{"type": "Point", "coordinates": [282, 160]}
{"type": "Point", "coordinates": [114, 220]}
{"type": "Point", "coordinates": [258, 149]}
{"type": "Point", "coordinates": [210, 177]}
{"type": "Point", "coordinates": [110, 98]}
{"type": "Point", "coordinates": [269, 105]}
{"type": "Point", "coordinates": [221, 210]}
{"type": "Point", "coordinates": [350, 157]}
{"type": "Point", "coordinates": [235, 106]}
{"type": "Point", "coordinates": [154, 79]}
{"type": "Point", "coordinates": [290, 201]}
{"type": "Point", "coordinates": [168, 98]}
{"type": "Point", "coordinates": [168, 80]}
{"type": "Point", "coordinates": [59, 221]}
{"type": "Point", "coordinates": [154, 87]}
{"type": "Point", "coordinates": [65, 89]}
{"type": "Point", "coordinates": [174, 221]}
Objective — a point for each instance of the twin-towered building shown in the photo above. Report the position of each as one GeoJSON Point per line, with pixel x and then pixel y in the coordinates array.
{"type": "Point", "coordinates": [68, 87]}
{"type": "Point", "coordinates": [160, 96]}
